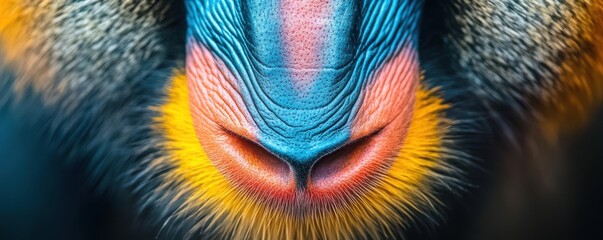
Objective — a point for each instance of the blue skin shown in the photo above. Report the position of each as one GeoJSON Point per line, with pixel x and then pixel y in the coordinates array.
{"type": "Point", "coordinates": [300, 128]}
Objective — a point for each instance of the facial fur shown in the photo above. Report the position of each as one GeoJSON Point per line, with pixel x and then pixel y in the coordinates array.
{"type": "Point", "coordinates": [275, 119]}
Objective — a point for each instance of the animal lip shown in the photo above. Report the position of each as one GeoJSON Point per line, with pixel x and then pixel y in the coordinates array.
{"type": "Point", "coordinates": [336, 162]}
{"type": "Point", "coordinates": [350, 168]}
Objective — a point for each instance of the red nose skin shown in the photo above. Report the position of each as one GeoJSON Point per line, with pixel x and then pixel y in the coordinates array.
{"type": "Point", "coordinates": [226, 132]}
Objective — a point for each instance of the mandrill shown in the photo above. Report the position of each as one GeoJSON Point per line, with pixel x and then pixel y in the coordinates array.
{"type": "Point", "coordinates": [300, 119]}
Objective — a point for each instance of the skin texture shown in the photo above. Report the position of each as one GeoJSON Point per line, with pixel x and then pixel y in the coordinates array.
{"type": "Point", "coordinates": [290, 119]}
{"type": "Point", "coordinates": [212, 120]}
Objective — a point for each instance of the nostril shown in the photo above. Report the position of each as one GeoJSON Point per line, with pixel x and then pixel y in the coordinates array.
{"type": "Point", "coordinates": [343, 163]}
{"type": "Point", "coordinates": [257, 168]}
{"type": "Point", "coordinates": [252, 156]}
